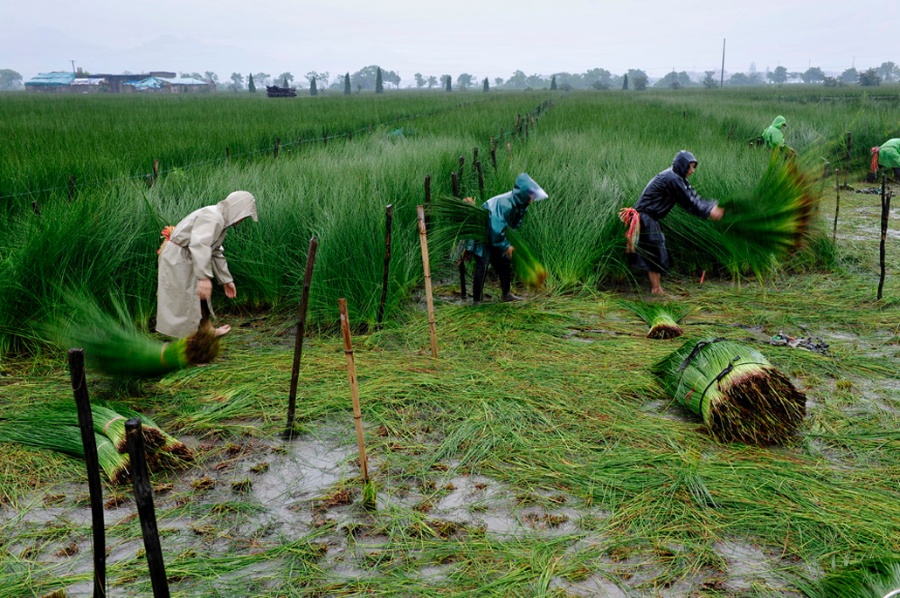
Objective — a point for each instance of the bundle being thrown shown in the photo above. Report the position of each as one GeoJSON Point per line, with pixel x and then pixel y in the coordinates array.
{"type": "Point", "coordinates": [769, 222]}
{"type": "Point", "coordinates": [733, 387]}
{"type": "Point", "coordinates": [663, 318]}
{"type": "Point", "coordinates": [115, 346]}
{"type": "Point", "coordinates": [458, 219]}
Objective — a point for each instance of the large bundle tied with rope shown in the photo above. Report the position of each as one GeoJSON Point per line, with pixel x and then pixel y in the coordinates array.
{"type": "Point", "coordinates": [739, 394]}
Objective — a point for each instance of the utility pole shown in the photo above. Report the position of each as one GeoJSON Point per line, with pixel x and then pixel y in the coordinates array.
{"type": "Point", "coordinates": [722, 79]}
{"type": "Point", "coordinates": [73, 66]}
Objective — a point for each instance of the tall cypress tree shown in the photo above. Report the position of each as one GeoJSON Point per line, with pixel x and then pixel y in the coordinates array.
{"type": "Point", "coordinates": [449, 82]}
{"type": "Point", "coordinates": [625, 84]}
{"type": "Point", "coordinates": [379, 85]}
{"type": "Point", "coordinates": [553, 83]}
{"type": "Point", "coordinates": [251, 87]}
{"type": "Point", "coordinates": [486, 87]}
{"type": "Point", "coordinates": [347, 84]}
{"type": "Point", "coordinates": [312, 87]}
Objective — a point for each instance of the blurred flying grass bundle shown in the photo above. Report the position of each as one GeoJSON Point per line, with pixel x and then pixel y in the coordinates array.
{"type": "Point", "coordinates": [871, 578]}
{"type": "Point", "coordinates": [457, 220]}
{"type": "Point", "coordinates": [663, 318]}
{"type": "Point", "coordinates": [770, 221]}
{"type": "Point", "coordinates": [114, 344]}
{"type": "Point", "coordinates": [733, 387]}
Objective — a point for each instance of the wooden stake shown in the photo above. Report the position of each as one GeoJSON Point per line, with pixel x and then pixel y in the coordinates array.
{"type": "Point", "coordinates": [227, 153]}
{"type": "Point", "coordinates": [155, 169]}
{"type": "Point", "coordinates": [71, 187]}
{"type": "Point", "coordinates": [837, 205]}
{"type": "Point", "coordinates": [389, 219]}
{"type": "Point", "coordinates": [95, 489]}
{"type": "Point", "coordinates": [423, 239]}
{"type": "Point", "coordinates": [354, 389]}
{"type": "Point", "coordinates": [143, 497]}
{"type": "Point", "coordinates": [475, 154]}
{"type": "Point", "coordinates": [462, 161]}
{"type": "Point", "coordinates": [298, 339]}
{"type": "Point", "coordinates": [494, 158]}
{"type": "Point", "coordinates": [454, 183]}
{"type": "Point", "coordinates": [509, 150]}
{"type": "Point", "coordinates": [885, 211]}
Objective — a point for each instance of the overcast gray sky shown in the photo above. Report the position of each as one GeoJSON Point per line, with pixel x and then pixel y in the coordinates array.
{"type": "Point", "coordinates": [485, 38]}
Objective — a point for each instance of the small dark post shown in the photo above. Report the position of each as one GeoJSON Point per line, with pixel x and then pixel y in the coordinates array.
{"type": "Point", "coordinates": [71, 187]}
{"type": "Point", "coordinates": [227, 153]}
{"type": "Point", "coordinates": [427, 189]}
{"type": "Point", "coordinates": [494, 157]}
{"type": "Point", "coordinates": [143, 497]}
{"type": "Point", "coordinates": [480, 178]}
{"type": "Point", "coordinates": [155, 169]}
{"type": "Point", "coordinates": [475, 154]}
{"type": "Point", "coordinates": [837, 204]}
{"type": "Point", "coordinates": [35, 207]}
{"type": "Point", "coordinates": [86, 423]}
{"type": "Point", "coordinates": [454, 183]}
{"type": "Point", "coordinates": [389, 219]}
{"type": "Point", "coordinates": [277, 143]}
{"type": "Point", "coordinates": [350, 135]}
{"type": "Point", "coordinates": [885, 211]}
{"type": "Point", "coordinates": [298, 339]}
{"type": "Point", "coordinates": [324, 137]}
{"type": "Point", "coordinates": [462, 161]}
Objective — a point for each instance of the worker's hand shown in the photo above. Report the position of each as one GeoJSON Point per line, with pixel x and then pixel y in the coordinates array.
{"type": "Point", "coordinates": [230, 290]}
{"type": "Point", "coordinates": [204, 288]}
{"type": "Point", "coordinates": [509, 251]}
{"type": "Point", "coordinates": [716, 213]}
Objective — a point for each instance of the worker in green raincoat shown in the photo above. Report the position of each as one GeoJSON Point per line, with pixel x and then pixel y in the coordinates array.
{"type": "Point", "coordinates": [888, 155]}
{"type": "Point", "coordinates": [507, 209]}
{"type": "Point", "coordinates": [773, 136]}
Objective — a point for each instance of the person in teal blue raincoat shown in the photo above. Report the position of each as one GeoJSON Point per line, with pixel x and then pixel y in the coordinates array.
{"type": "Point", "coordinates": [505, 210]}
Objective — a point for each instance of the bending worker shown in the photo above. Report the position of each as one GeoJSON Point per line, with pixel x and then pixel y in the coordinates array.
{"type": "Point", "coordinates": [646, 244]}
{"type": "Point", "coordinates": [773, 136]}
{"type": "Point", "coordinates": [505, 210]}
{"type": "Point", "coordinates": [190, 257]}
{"type": "Point", "coordinates": [887, 156]}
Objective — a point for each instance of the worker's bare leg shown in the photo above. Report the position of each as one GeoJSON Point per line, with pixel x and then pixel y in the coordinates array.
{"type": "Point", "coordinates": [655, 286]}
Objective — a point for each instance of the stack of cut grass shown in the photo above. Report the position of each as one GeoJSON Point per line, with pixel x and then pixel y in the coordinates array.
{"type": "Point", "coordinates": [115, 346]}
{"type": "Point", "coordinates": [663, 318]}
{"type": "Point", "coordinates": [771, 220]}
{"type": "Point", "coordinates": [56, 428]}
{"type": "Point", "coordinates": [67, 440]}
{"type": "Point", "coordinates": [738, 393]}
{"type": "Point", "coordinates": [456, 219]}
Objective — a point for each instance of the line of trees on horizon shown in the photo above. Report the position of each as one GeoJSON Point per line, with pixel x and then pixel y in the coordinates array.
{"type": "Point", "coordinates": [373, 77]}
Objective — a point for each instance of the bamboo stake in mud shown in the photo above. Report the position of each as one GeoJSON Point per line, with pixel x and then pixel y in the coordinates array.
{"type": "Point", "coordinates": [86, 423]}
{"type": "Point", "coordinates": [227, 153]}
{"type": "Point", "coordinates": [143, 497]}
{"type": "Point", "coordinates": [389, 220]}
{"type": "Point", "coordinates": [885, 210]}
{"type": "Point", "coordinates": [423, 238]}
{"type": "Point", "coordinates": [354, 389]}
{"type": "Point", "coordinates": [494, 157]}
{"type": "Point", "coordinates": [475, 154]}
{"type": "Point", "coordinates": [428, 190]}
{"type": "Point", "coordinates": [837, 204]}
{"type": "Point", "coordinates": [462, 161]}
{"type": "Point", "coordinates": [298, 340]}
{"type": "Point", "coordinates": [454, 184]}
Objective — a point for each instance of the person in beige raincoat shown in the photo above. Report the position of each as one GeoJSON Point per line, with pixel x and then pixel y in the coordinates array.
{"type": "Point", "coordinates": [189, 259]}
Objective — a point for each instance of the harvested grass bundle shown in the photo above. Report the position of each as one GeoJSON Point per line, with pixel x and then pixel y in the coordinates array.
{"type": "Point", "coordinates": [738, 393]}
{"type": "Point", "coordinates": [66, 439]}
{"type": "Point", "coordinates": [771, 220]}
{"type": "Point", "coordinates": [663, 318]}
{"type": "Point", "coordinates": [115, 346]}
{"type": "Point", "coordinates": [457, 219]}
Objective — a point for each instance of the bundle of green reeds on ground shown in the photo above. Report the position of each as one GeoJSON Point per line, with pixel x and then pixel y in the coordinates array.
{"type": "Point", "coordinates": [115, 346]}
{"type": "Point", "coordinates": [457, 219]}
{"type": "Point", "coordinates": [663, 318]}
{"type": "Point", "coordinates": [66, 439]}
{"type": "Point", "coordinates": [733, 387]}
{"type": "Point", "coordinates": [771, 220]}
{"type": "Point", "coordinates": [56, 428]}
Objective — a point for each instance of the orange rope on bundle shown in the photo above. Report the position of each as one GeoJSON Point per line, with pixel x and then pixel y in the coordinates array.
{"type": "Point", "coordinates": [874, 165]}
{"type": "Point", "coordinates": [165, 234]}
{"type": "Point", "coordinates": [632, 221]}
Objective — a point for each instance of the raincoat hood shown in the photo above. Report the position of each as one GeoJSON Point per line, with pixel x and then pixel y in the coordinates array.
{"type": "Point", "coordinates": [779, 122]}
{"type": "Point", "coordinates": [682, 162]}
{"type": "Point", "coordinates": [238, 206]}
{"type": "Point", "coordinates": [526, 190]}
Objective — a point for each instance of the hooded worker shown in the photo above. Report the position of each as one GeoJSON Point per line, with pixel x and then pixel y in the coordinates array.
{"type": "Point", "coordinates": [505, 210]}
{"type": "Point", "coordinates": [646, 243]}
{"type": "Point", "coordinates": [887, 156]}
{"type": "Point", "coordinates": [773, 136]}
{"type": "Point", "coordinates": [190, 256]}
